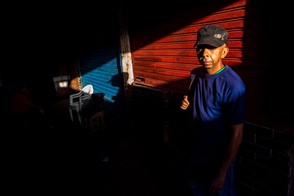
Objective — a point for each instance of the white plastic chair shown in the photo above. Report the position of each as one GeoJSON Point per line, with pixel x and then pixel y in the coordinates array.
{"type": "Point", "coordinates": [77, 100]}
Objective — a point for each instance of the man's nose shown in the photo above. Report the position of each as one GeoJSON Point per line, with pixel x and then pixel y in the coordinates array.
{"type": "Point", "coordinates": [206, 52]}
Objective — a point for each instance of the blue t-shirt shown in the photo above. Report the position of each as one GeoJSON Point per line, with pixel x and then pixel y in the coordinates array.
{"type": "Point", "coordinates": [218, 102]}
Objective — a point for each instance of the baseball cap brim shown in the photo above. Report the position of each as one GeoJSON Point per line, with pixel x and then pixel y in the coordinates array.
{"type": "Point", "coordinates": [210, 41]}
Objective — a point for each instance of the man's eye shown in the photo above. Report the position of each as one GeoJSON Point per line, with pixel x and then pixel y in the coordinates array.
{"type": "Point", "coordinates": [202, 47]}
{"type": "Point", "coordinates": [198, 50]}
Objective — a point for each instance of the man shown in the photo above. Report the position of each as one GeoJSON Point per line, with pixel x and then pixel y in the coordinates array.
{"type": "Point", "coordinates": [216, 99]}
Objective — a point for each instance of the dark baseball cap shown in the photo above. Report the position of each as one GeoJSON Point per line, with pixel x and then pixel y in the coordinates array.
{"type": "Point", "coordinates": [212, 35]}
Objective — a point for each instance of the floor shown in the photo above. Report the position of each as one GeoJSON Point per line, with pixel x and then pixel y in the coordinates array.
{"type": "Point", "coordinates": [65, 158]}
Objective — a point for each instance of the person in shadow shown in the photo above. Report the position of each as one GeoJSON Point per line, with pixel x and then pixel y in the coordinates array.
{"type": "Point", "coordinates": [23, 113]}
{"type": "Point", "coordinates": [217, 103]}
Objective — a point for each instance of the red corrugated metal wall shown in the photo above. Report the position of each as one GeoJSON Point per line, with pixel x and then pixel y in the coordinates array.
{"type": "Point", "coordinates": [163, 55]}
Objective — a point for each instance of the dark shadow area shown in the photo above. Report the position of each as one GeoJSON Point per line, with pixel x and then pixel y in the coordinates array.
{"type": "Point", "coordinates": [48, 153]}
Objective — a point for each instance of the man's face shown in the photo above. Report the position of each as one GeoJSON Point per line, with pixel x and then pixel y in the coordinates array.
{"type": "Point", "coordinates": [210, 56]}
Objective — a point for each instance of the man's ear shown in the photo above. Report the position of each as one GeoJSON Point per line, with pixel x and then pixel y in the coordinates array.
{"type": "Point", "coordinates": [225, 52]}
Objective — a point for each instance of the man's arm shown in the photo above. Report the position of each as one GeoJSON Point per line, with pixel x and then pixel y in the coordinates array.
{"type": "Point", "coordinates": [233, 148]}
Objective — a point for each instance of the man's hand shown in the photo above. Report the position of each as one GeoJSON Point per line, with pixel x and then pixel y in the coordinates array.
{"type": "Point", "coordinates": [185, 103]}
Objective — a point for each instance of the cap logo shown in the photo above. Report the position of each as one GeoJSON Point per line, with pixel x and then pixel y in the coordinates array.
{"type": "Point", "coordinates": [217, 36]}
